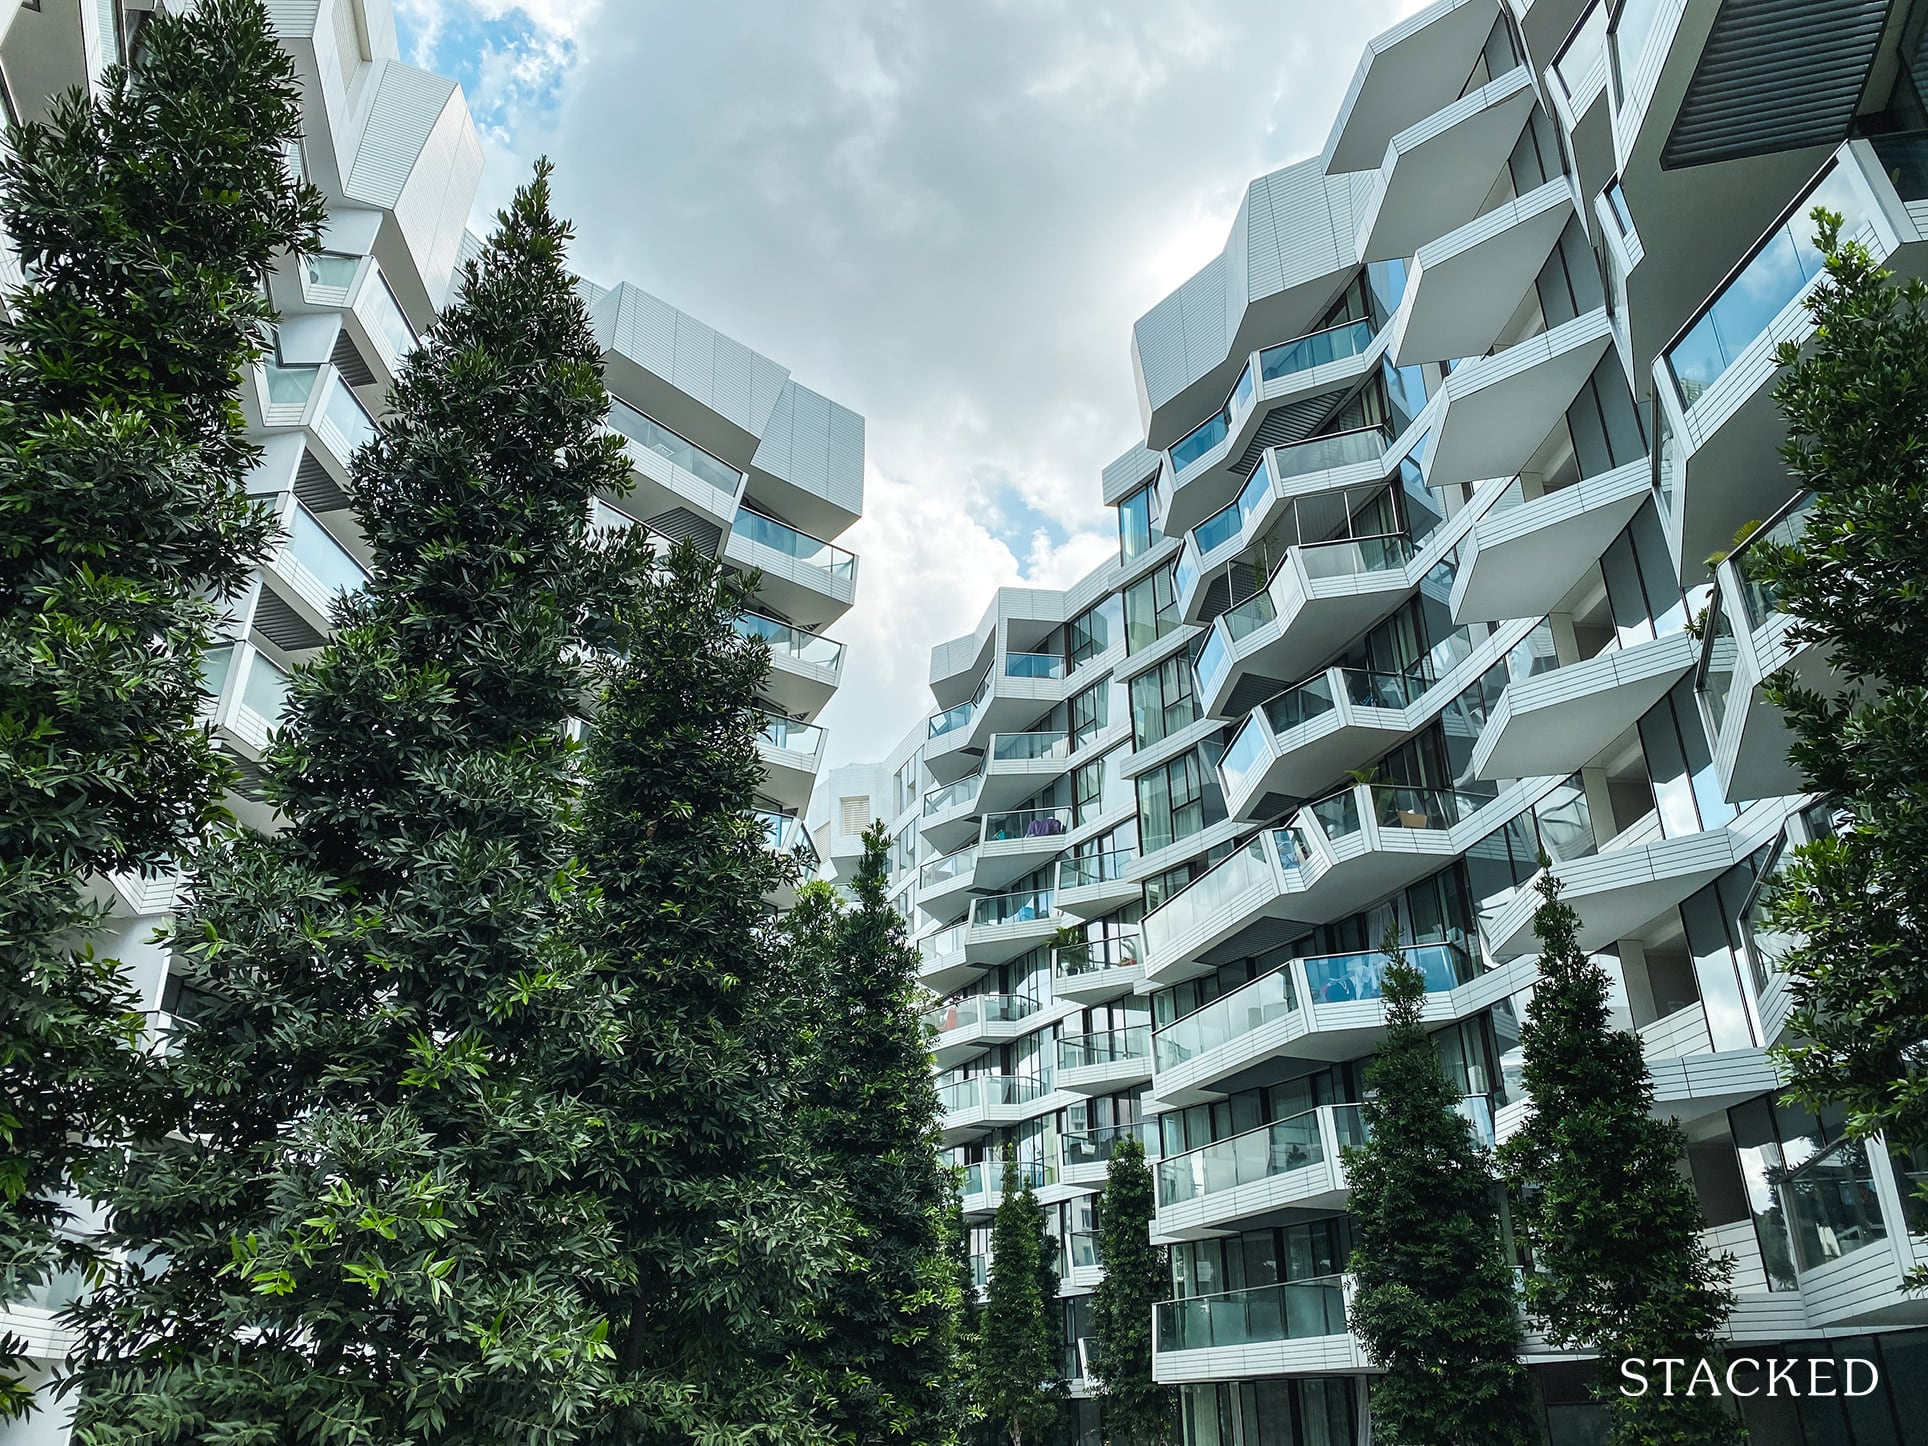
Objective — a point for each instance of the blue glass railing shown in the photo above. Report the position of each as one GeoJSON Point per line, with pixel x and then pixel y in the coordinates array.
{"type": "Point", "coordinates": [788, 640]}
{"type": "Point", "coordinates": [1335, 343]}
{"type": "Point", "coordinates": [652, 436]}
{"type": "Point", "coordinates": [780, 537]}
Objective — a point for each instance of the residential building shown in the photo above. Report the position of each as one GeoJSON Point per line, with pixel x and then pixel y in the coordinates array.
{"type": "Point", "coordinates": [728, 450]}
{"type": "Point", "coordinates": [1410, 592]}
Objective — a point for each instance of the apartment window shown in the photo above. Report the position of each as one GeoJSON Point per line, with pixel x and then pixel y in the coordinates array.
{"type": "Point", "coordinates": [1711, 920]}
{"type": "Point", "coordinates": [1171, 802]}
{"type": "Point", "coordinates": [903, 852]}
{"type": "Point", "coordinates": [1137, 528]}
{"type": "Point", "coordinates": [1098, 788]}
{"type": "Point", "coordinates": [1162, 702]}
{"type": "Point", "coordinates": [1642, 589]}
{"type": "Point", "coordinates": [1093, 630]}
{"type": "Point", "coordinates": [1681, 766]}
{"type": "Point", "coordinates": [853, 814]}
{"type": "Point", "coordinates": [904, 791]}
{"type": "Point", "coordinates": [1090, 713]}
{"type": "Point", "coordinates": [1151, 609]}
{"type": "Point", "coordinates": [1604, 424]}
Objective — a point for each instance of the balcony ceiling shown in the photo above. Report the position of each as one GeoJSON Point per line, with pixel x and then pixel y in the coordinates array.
{"type": "Point", "coordinates": [1523, 561]}
{"type": "Point", "coordinates": [1406, 74]}
{"type": "Point", "coordinates": [1500, 408]}
{"type": "Point", "coordinates": [1466, 285]}
{"type": "Point", "coordinates": [1563, 720]}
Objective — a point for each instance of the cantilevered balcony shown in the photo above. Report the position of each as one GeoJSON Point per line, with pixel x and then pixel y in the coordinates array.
{"type": "Point", "coordinates": [1299, 741]}
{"type": "Point", "coordinates": [944, 882]}
{"type": "Point", "coordinates": [317, 401]}
{"type": "Point", "coordinates": [1290, 1165]}
{"type": "Point", "coordinates": [1523, 556]}
{"type": "Point", "coordinates": [354, 287]}
{"type": "Point", "coordinates": [1436, 172]}
{"type": "Point", "coordinates": [1465, 286]}
{"type": "Point", "coordinates": [1017, 765]}
{"type": "Point", "coordinates": [1493, 413]}
{"type": "Point", "coordinates": [1407, 73]}
{"type": "Point", "coordinates": [309, 571]}
{"type": "Point", "coordinates": [943, 968]}
{"type": "Point", "coordinates": [1323, 1008]}
{"type": "Point", "coordinates": [1016, 842]}
{"type": "Point", "coordinates": [950, 813]}
{"type": "Point", "coordinates": [975, 1106]}
{"type": "Point", "coordinates": [1560, 720]}
{"type": "Point", "coordinates": [1093, 885]}
{"type": "Point", "coordinates": [981, 1190]}
{"type": "Point", "coordinates": [791, 754]}
{"type": "Point", "coordinates": [1270, 1330]}
{"type": "Point", "coordinates": [969, 1026]}
{"type": "Point", "coordinates": [248, 692]}
{"type": "Point", "coordinates": [804, 577]}
{"type": "Point", "coordinates": [1106, 1061]}
{"type": "Point", "coordinates": [1003, 926]}
{"type": "Point", "coordinates": [671, 475]}
{"type": "Point", "coordinates": [1576, 92]}
{"type": "Point", "coordinates": [804, 668]}
{"type": "Point", "coordinates": [1086, 1154]}
{"type": "Point", "coordinates": [1097, 971]}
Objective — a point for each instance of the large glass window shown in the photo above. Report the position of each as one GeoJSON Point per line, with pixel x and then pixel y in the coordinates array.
{"type": "Point", "coordinates": [1162, 702]}
{"type": "Point", "coordinates": [1175, 802]}
{"type": "Point", "coordinates": [1686, 791]}
{"type": "Point", "coordinates": [1090, 713]}
{"type": "Point", "coordinates": [1151, 609]}
{"type": "Point", "coordinates": [1137, 529]}
{"type": "Point", "coordinates": [1094, 630]}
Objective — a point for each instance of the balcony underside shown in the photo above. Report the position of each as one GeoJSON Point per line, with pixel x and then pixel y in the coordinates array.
{"type": "Point", "coordinates": [1499, 409]}
{"type": "Point", "coordinates": [1407, 74]}
{"type": "Point", "coordinates": [1277, 1200]}
{"type": "Point", "coordinates": [1466, 285]}
{"type": "Point", "coordinates": [1520, 563]}
{"type": "Point", "coordinates": [1616, 894]}
{"type": "Point", "coordinates": [1560, 721]}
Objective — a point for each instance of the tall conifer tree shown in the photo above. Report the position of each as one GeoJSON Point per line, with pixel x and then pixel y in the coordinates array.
{"type": "Point", "coordinates": [147, 218]}
{"type": "Point", "coordinates": [1019, 1385]}
{"type": "Point", "coordinates": [1614, 1228]}
{"type": "Point", "coordinates": [376, 1227]}
{"type": "Point", "coordinates": [1137, 1410]}
{"type": "Point", "coordinates": [1433, 1297]}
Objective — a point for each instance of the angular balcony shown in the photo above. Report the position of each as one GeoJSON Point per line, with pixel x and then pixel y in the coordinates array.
{"type": "Point", "coordinates": [1406, 74]}
{"type": "Point", "coordinates": [1105, 1062]}
{"type": "Point", "coordinates": [1017, 765]}
{"type": "Point", "coordinates": [969, 1026]}
{"type": "Point", "coordinates": [1254, 885]}
{"type": "Point", "coordinates": [1494, 412]}
{"type": "Point", "coordinates": [943, 882]}
{"type": "Point", "coordinates": [1436, 172]}
{"type": "Point", "coordinates": [248, 692]}
{"type": "Point", "coordinates": [1466, 285]}
{"type": "Point", "coordinates": [804, 668]}
{"type": "Point", "coordinates": [1093, 885]}
{"type": "Point", "coordinates": [1016, 842]}
{"type": "Point", "coordinates": [1289, 1165]}
{"type": "Point", "coordinates": [1522, 557]}
{"type": "Point", "coordinates": [1299, 741]}
{"type": "Point", "coordinates": [1322, 1008]}
{"type": "Point", "coordinates": [1576, 88]}
{"type": "Point", "coordinates": [1003, 926]}
{"type": "Point", "coordinates": [943, 968]}
{"type": "Point", "coordinates": [804, 578]}
{"type": "Point", "coordinates": [310, 570]}
{"type": "Point", "coordinates": [1748, 640]}
{"type": "Point", "coordinates": [981, 1190]}
{"type": "Point", "coordinates": [1086, 1155]}
{"type": "Point", "coordinates": [1616, 893]}
{"type": "Point", "coordinates": [1560, 720]}
{"type": "Point", "coordinates": [975, 1106]}
{"type": "Point", "coordinates": [1096, 972]}
{"type": "Point", "coordinates": [1712, 383]}
{"type": "Point", "coordinates": [1271, 1330]}
{"type": "Point", "coordinates": [333, 422]}
{"type": "Point", "coordinates": [950, 814]}
{"type": "Point", "coordinates": [671, 474]}
{"type": "Point", "coordinates": [791, 753]}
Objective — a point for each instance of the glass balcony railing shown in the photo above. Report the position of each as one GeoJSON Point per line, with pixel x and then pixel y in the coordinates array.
{"type": "Point", "coordinates": [1025, 823]}
{"type": "Point", "coordinates": [604, 518]}
{"type": "Point", "coordinates": [645, 432]}
{"type": "Point", "coordinates": [1720, 657]}
{"type": "Point", "coordinates": [990, 1089]}
{"type": "Point", "coordinates": [290, 386]}
{"type": "Point", "coordinates": [1335, 343]}
{"type": "Point", "coordinates": [1225, 524]}
{"type": "Point", "coordinates": [1248, 869]}
{"type": "Point", "coordinates": [266, 690]}
{"type": "Point", "coordinates": [1095, 1147]}
{"type": "Point", "coordinates": [1831, 1206]}
{"type": "Point", "coordinates": [326, 559]}
{"type": "Point", "coordinates": [1786, 531]}
{"type": "Point", "coordinates": [1243, 754]}
{"type": "Point", "coordinates": [1106, 1046]}
{"type": "Point", "coordinates": [1269, 997]}
{"type": "Point", "coordinates": [780, 537]}
{"type": "Point", "coordinates": [389, 318]}
{"type": "Point", "coordinates": [1294, 1143]}
{"type": "Point", "coordinates": [1083, 1245]}
{"type": "Point", "coordinates": [951, 719]}
{"type": "Point", "coordinates": [330, 270]}
{"type": "Point", "coordinates": [1631, 28]}
{"type": "Point", "coordinates": [1214, 430]}
{"type": "Point", "coordinates": [988, 1175]}
{"type": "Point", "coordinates": [1785, 262]}
{"type": "Point", "coordinates": [1337, 978]}
{"type": "Point", "coordinates": [952, 866]}
{"type": "Point", "coordinates": [1095, 956]}
{"type": "Point", "coordinates": [1029, 747]}
{"type": "Point", "coordinates": [1034, 665]}
{"type": "Point", "coordinates": [1021, 907]}
{"type": "Point", "coordinates": [790, 735]}
{"type": "Point", "coordinates": [1394, 806]}
{"type": "Point", "coordinates": [980, 1009]}
{"type": "Point", "coordinates": [1092, 869]}
{"type": "Point", "coordinates": [349, 418]}
{"type": "Point", "coordinates": [944, 941]}
{"type": "Point", "coordinates": [1215, 657]}
{"type": "Point", "coordinates": [1336, 449]}
{"type": "Point", "coordinates": [955, 795]}
{"type": "Point", "coordinates": [1356, 556]}
{"type": "Point", "coordinates": [787, 640]}
{"type": "Point", "coordinates": [1301, 1310]}
{"type": "Point", "coordinates": [1581, 52]}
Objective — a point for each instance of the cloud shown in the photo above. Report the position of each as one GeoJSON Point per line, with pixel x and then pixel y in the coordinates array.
{"type": "Point", "coordinates": [944, 216]}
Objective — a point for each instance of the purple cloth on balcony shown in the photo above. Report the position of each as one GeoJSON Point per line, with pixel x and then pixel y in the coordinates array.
{"type": "Point", "coordinates": [1040, 827]}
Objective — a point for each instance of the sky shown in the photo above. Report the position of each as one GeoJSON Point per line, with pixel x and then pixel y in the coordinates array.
{"type": "Point", "coordinates": [944, 214]}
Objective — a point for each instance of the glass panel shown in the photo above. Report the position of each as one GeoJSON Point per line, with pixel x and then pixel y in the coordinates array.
{"type": "Point", "coordinates": [1347, 339]}
{"type": "Point", "coordinates": [652, 436]}
{"type": "Point", "coordinates": [1786, 532]}
{"type": "Point", "coordinates": [1196, 444]}
{"type": "Point", "coordinates": [1340, 449]}
{"type": "Point", "coordinates": [266, 691]}
{"type": "Point", "coordinates": [215, 663]}
{"type": "Point", "coordinates": [1831, 1205]}
{"type": "Point", "coordinates": [1033, 665]}
{"type": "Point", "coordinates": [1904, 157]}
{"type": "Point", "coordinates": [1016, 908]}
{"type": "Point", "coordinates": [951, 866]}
{"type": "Point", "coordinates": [790, 735]}
{"type": "Point", "coordinates": [1094, 1147]}
{"type": "Point", "coordinates": [1279, 1148]}
{"type": "Point", "coordinates": [331, 270]}
{"type": "Point", "coordinates": [1108, 1046]}
{"type": "Point", "coordinates": [1582, 49]}
{"type": "Point", "coordinates": [1242, 755]}
{"type": "Point", "coordinates": [1208, 894]}
{"type": "Point", "coordinates": [1338, 978]}
{"type": "Point", "coordinates": [311, 546]}
{"type": "Point", "coordinates": [1117, 951]}
{"type": "Point", "coordinates": [980, 1009]}
{"type": "Point", "coordinates": [1721, 658]}
{"type": "Point", "coordinates": [1225, 524]}
{"type": "Point", "coordinates": [1269, 997]}
{"type": "Point", "coordinates": [1350, 557]}
{"type": "Point", "coordinates": [953, 795]}
{"type": "Point", "coordinates": [1022, 747]}
{"type": "Point", "coordinates": [348, 416]}
{"type": "Point", "coordinates": [1105, 868]}
{"type": "Point", "coordinates": [767, 531]}
{"type": "Point", "coordinates": [788, 640]}
{"type": "Point", "coordinates": [388, 316]}
{"type": "Point", "coordinates": [1025, 822]}
{"type": "Point", "coordinates": [290, 386]}
{"type": "Point", "coordinates": [1297, 1311]}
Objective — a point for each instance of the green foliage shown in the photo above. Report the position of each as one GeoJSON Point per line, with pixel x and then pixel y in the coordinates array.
{"type": "Point", "coordinates": [1137, 1411]}
{"type": "Point", "coordinates": [966, 1418]}
{"type": "Point", "coordinates": [147, 219]}
{"type": "Point", "coordinates": [1857, 585]}
{"type": "Point", "coordinates": [869, 1107]}
{"type": "Point", "coordinates": [379, 1225]}
{"type": "Point", "coordinates": [726, 1234]}
{"type": "Point", "coordinates": [1433, 1299]}
{"type": "Point", "coordinates": [1613, 1226]}
{"type": "Point", "coordinates": [1018, 1386]}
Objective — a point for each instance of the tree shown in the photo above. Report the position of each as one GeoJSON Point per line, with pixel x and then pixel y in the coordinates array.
{"type": "Point", "coordinates": [967, 1419]}
{"type": "Point", "coordinates": [1433, 1299]}
{"type": "Point", "coordinates": [147, 219]}
{"type": "Point", "coordinates": [1018, 1386]}
{"type": "Point", "coordinates": [870, 1115]}
{"type": "Point", "coordinates": [1137, 1410]}
{"type": "Point", "coordinates": [1613, 1226]}
{"type": "Point", "coordinates": [375, 1225]}
{"type": "Point", "coordinates": [1857, 902]}
{"type": "Point", "coordinates": [727, 1233]}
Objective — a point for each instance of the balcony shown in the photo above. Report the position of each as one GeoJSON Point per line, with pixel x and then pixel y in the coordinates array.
{"type": "Point", "coordinates": [1017, 765]}
{"type": "Point", "coordinates": [975, 1106]}
{"type": "Point", "coordinates": [1435, 173]}
{"type": "Point", "coordinates": [791, 752]}
{"type": "Point", "coordinates": [943, 967]}
{"type": "Point", "coordinates": [1096, 972]}
{"type": "Point", "coordinates": [943, 882]}
{"type": "Point", "coordinates": [1323, 1008]}
{"type": "Point", "coordinates": [1522, 557]}
{"type": "Point", "coordinates": [1576, 87]}
{"type": "Point", "coordinates": [981, 1190]}
{"type": "Point", "coordinates": [1105, 1062]}
{"type": "Point", "coordinates": [1020, 841]}
{"type": "Point", "coordinates": [318, 401]}
{"type": "Point", "coordinates": [248, 694]}
{"type": "Point", "coordinates": [1561, 720]}
{"type": "Point", "coordinates": [804, 668]}
{"type": "Point", "coordinates": [804, 577]}
{"type": "Point", "coordinates": [1850, 1210]}
{"type": "Point", "coordinates": [949, 817]}
{"type": "Point", "coordinates": [1495, 411]}
{"type": "Point", "coordinates": [1003, 926]}
{"type": "Point", "coordinates": [1288, 1329]}
{"type": "Point", "coordinates": [1086, 1155]}
{"type": "Point", "coordinates": [969, 1026]}
{"type": "Point", "coordinates": [1093, 885]}
{"type": "Point", "coordinates": [1406, 74]}
{"type": "Point", "coordinates": [1288, 1165]}
{"type": "Point", "coordinates": [310, 569]}
{"type": "Point", "coordinates": [1466, 285]}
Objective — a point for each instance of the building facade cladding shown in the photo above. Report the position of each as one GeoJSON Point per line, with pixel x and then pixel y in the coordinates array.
{"type": "Point", "coordinates": [728, 450]}
{"type": "Point", "coordinates": [1408, 594]}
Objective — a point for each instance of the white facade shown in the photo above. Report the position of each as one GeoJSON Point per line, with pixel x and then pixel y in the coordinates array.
{"type": "Point", "coordinates": [1407, 592]}
{"type": "Point", "coordinates": [728, 449]}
